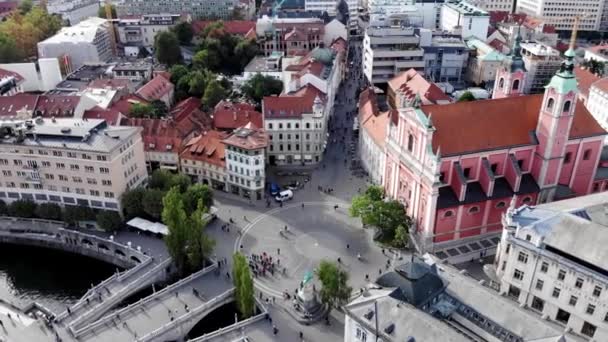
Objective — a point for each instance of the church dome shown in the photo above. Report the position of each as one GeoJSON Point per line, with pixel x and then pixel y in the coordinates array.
{"type": "Point", "coordinates": [323, 55]}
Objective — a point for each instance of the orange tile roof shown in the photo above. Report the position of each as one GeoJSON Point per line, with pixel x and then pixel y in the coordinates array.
{"type": "Point", "coordinates": [293, 104]}
{"type": "Point", "coordinates": [601, 85]}
{"type": "Point", "coordinates": [229, 115]}
{"type": "Point", "coordinates": [10, 105]}
{"type": "Point", "coordinates": [112, 83]}
{"type": "Point", "coordinates": [112, 116]}
{"type": "Point", "coordinates": [57, 105]}
{"type": "Point", "coordinates": [206, 147]}
{"type": "Point", "coordinates": [467, 127]}
{"type": "Point", "coordinates": [7, 73]}
{"type": "Point", "coordinates": [374, 122]}
{"type": "Point", "coordinates": [235, 27]}
{"type": "Point", "coordinates": [411, 82]}
{"type": "Point", "coordinates": [124, 104]}
{"type": "Point", "coordinates": [585, 79]}
{"type": "Point", "coordinates": [158, 87]}
{"type": "Point", "coordinates": [248, 137]}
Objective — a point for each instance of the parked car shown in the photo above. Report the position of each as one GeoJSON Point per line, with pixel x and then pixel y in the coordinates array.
{"type": "Point", "coordinates": [274, 189]}
{"type": "Point", "coordinates": [284, 196]}
{"type": "Point", "coordinates": [294, 186]}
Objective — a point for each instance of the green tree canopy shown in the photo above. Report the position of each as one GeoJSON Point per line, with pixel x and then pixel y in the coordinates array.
{"type": "Point", "coordinates": [259, 86]}
{"type": "Point", "coordinates": [184, 32]}
{"type": "Point", "coordinates": [245, 50]}
{"type": "Point", "coordinates": [8, 49]}
{"type": "Point", "coordinates": [22, 208]}
{"type": "Point", "coordinates": [73, 214]}
{"type": "Point", "coordinates": [214, 93]}
{"type": "Point", "coordinates": [373, 210]}
{"type": "Point", "coordinates": [195, 194]}
{"type": "Point", "coordinates": [181, 181]}
{"type": "Point", "coordinates": [401, 236]}
{"type": "Point", "coordinates": [206, 59]}
{"type": "Point", "coordinates": [177, 72]}
{"type": "Point", "coordinates": [131, 202]}
{"type": "Point", "coordinates": [160, 179]}
{"type": "Point", "coordinates": [29, 29]}
{"type": "Point", "coordinates": [243, 285]}
{"type": "Point", "coordinates": [467, 96]}
{"type": "Point", "coordinates": [48, 211]}
{"type": "Point", "coordinates": [159, 109]}
{"type": "Point", "coordinates": [335, 291]}
{"type": "Point", "coordinates": [200, 245]}
{"type": "Point", "coordinates": [109, 220]}
{"type": "Point", "coordinates": [167, 48]}
{"type": "Point", "coordinates": [25, 6]}
{"type": "Point", "coordinates": [175, 218]}
{"type": "Point", "coordinates": [3, 208]}
{"type": "Point", "coordinates": [152, 202]}
{"type": "Point", "coordinates": [141, 110]}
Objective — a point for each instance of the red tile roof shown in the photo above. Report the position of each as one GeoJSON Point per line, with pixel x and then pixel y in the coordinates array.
{"type": "Point", "coordinates": [248, 137]}
{"type": "Point", "coordinates": [206, 147]}
{"type": "Point", "coordinates": [601, 85]}
{"type": "Point", "coordinates": [410, 82]}
{"type": "Point", "coordinates": [236, 27]}
{"type": "Point", "coordinates": [7, 73]}
{"type": "Point", "coordinates": [292, 105]}
{"type": "Point", "coordinates": [506, 16]}
{"type": "Point", "coordinates": [158, 87]}
{"type": "Point", "coordinates": [188, 116]}
{"type": "Point", "coordinates": [158, 135]}
{"type": "Point", "coordinates": [467, 127]}
{"type": "Point", "coordinates": [10, 105]}
{"type": "Point", "coordinates": [585, 79]}
{"type": "Point", "coordinates": [56, 105]}
{"type": "Point", "coordinates": [124, 104]}
{"type": "Point", "coordinates": [111, 116]}
{"type": "Point", "coordinates": [6, 7]}
{"type": "Point", "coordinates": [599, 49]}
{"type": "Point", "coordinates": [229, 115]}
{"type": "Point", "coordinates": [112, 83]}
{"type": "Point", "coordinates": [371, 120]}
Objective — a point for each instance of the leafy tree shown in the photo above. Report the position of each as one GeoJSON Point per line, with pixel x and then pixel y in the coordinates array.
{"type": "Point", "coordinates": [102, 11]}
{"type": "Point", "coordinates": [131, 202]}
{"type": "Point", "coordinates": [374, 210]}
{"type": "Point", "coordinates": [109, 220]}
{"type": "Point", "coordinates": [206, 59]}
{"type": "Point", "coordinates": [160, 179]}
{"type": "Point", "coordinates": [198, 82]}
{"type": "Point", "coordinates": [29, 29]}
{"type": "Point", "coordinates": [141, 110]}
{"type": "Point", "coordinates": [401, 236]}
{"type": "Point", "coordinates": [335, 291]}
{"type": "Point", "coordinates": [595, 66]}
{"type": "Point", "coordinates": [259, 86]}
{"type": "Point", "coordinates": [22, 208]}
{"type": "Point", "coordinates": [3, 208]}
{"type": "Point", "coordinates": [195, 194]}
{"type": "Point", "coordinates": [25, 6]}
{"type": "Point", "coordinates": [167, 48]}
{"type": "Point", "coordinates": [200, 245]}
{"type": "Point", "coordinates": [177, 72]}
{"type": "Point", "coordinates": [181, 181]}
{"type": "Point", "coordinates": [8, 49]}
{"type": "Point", "coordinates": [243, 285]}
{"type": "Point", "coordinates": [184, 32]}
{"type": "Point", "coordinates": [152, 202]}
{"type": "Point", "coordinates": [467, 96]}
{"type": "Point", "coordinates": [48, 211]}
{"type": "Point", "coordinates": [214, 93]}
{"type": "Point", "coordinates": [245, 50]}
{"type": "Point", "coordinates": [174, 216]}
{"type": "Point", "coordinates": [159, 109]}
{"type": "Point", "coordinates": [73, 214]}
{"type": "Point", "coordinates": [215, 29]}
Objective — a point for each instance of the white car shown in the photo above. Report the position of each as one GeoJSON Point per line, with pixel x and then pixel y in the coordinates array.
{"type": "Point", "coordinates": [284, 196]}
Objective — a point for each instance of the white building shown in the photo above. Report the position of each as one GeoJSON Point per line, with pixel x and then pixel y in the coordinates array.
{"type": "Point", "coordinates": [87, 42]}
{"type": "Point", "coordinates": [598, 53]}
{"type": "Point", "coordinates": [463, 18]}
{"type": "Point", "coordinates": [372, 135]}
{"type": "Point", "coordinates": [69, 161]}
{"type": "Point", "coordinates": [393, 13]}
{"type": "Point", "coordinates": [266, 66]}
{"type": "Point", "coordinates": [200, 9]}
{"type": "Point", "coordinates": [388, 51]}
{"type": "Point", "coordinates": [430, 11]}
{"type": "Point", "coordinates": [141, 31]}
{"type": "Point", "coordinates": [553, 259]}
{"type": "Point", "coordinates": [561, 14]}
{"type": "Point", "coordinates": [541, 61]}
{"type": "Point", "coordinates": [597, 103]}
{"type": "Point", "coordinates": [494, 5]}
{"type": "Point", "coordinates": [328, 6]}
{"type": "Point", "coordinates": [73, 11]}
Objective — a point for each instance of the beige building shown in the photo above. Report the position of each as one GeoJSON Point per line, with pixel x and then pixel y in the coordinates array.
{"type": "Point", "coordinates": [69, 161]}
{"type": "Point", "coordinates": [204, 161]}
{"type": "Point", "coordinates": [483, 62]}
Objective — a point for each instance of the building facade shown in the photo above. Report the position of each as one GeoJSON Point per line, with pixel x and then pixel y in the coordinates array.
{"type": "Point", "coordinates": [198, 9]}
{"type": "Point", "coordinates": [70, 161]}
{"type": "Point", "coordinates": [141, 31]}
{"type": "Point", "coordinates": [465, 19]}
{"type": "Point", "coordinates": [541, 61]}
{"type": "Point", "coordinates": [203, 159]}
{"type": "Point", "coordinates": [484, 60]}
{"type": "Point", "coordinates": [494, 5]}
{"type": "Point", "coordinates": [372, 135]}
{"type": "Point", "coordinates": [551, 259]}
{"type": "Point", "coordinates": [597, 101]}
{"type": "Point", "coordinates": [446, 57]}
{"type": "Point", "coordinates": [455, 176]}
{"type": "Point", "coordinates": [73, 11]}
{"type": "Point", "coordinates": [289, 35]}
{"type": "Point", "coordinates": [561, 14]}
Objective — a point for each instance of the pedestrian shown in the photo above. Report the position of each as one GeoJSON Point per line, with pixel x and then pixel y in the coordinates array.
{"type": "Point", "coordinates": [301, 335]}
{"type": "Point", "coordinates": [278, 251]}
{"type": "Point", "coordinates": [367, 277]}
{"type": "Point", "coordinates": [347, 246]}
{"type": "Point", "coordinates": [274, 329]}
{"type": "Point", "coordinates": [339, 260]}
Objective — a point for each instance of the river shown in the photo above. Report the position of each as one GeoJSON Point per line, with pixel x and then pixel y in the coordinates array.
{"type": "Point", "coordinates": [50, 277]}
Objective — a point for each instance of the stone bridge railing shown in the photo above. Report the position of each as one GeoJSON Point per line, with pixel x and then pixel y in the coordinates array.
{"type": "Point", "coordinates": [125, 312]}
{"type": "Point", "coordinates": [190, 319]}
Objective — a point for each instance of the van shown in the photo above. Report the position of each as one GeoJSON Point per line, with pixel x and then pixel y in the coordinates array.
{"type": "Point", "coordinates": [274, 189]}
{"type": "Point", "coordinates": [284, 196]}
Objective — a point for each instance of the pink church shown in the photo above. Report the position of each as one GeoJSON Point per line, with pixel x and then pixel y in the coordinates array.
{"type": "Point", "coordinates": [457, 167]}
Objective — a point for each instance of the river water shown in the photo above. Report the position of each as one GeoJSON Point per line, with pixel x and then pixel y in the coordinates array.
{"type": "Point", "coordinates": [50, 277]}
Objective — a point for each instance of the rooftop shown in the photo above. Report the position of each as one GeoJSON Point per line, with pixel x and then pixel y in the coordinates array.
{"type": "Point", "coordinates": [374, 122]}
{"type": "Point", "coordinates": [248, 137]}
{"type": "Point", "coordinates": [466, 8]}
{"type": "Point", "coordinates": [411, 83]}
{"type": "Point", "coordinates": [599, 50]}
{"type": "Point", "coordinates": [539, 49]}
{"type": "Point", "coordinates": [84, 31]}
{"type": "Point", "coordinates": [158, 87]}
{"type": "Point", "coordinates": [206, 147]}
{"type": "Point", "coordinates": [264, 64]}
{"type": "Point", "coordinates": [229, 115]}
{"type": "Point", "coordinates": [585, 79]}
{"type": "Point", "coordinates": [292, 105]}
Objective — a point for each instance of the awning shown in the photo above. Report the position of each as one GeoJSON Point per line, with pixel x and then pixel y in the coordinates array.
{"type": "Point", "coordinates": [281, 157]}
{"type": "Point", "coordinates": [297, 157]}
{"type": "Point", "coordinates": [148, 226]}
{"type": "Point", "coordinates": [308, 157]}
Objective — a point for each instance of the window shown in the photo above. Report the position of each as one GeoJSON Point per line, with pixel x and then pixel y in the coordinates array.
{"type": "Point", "coordinates": [561, 275]}
{"type": "Point", "coordinates": [494, 167]}
{"type": "Point", "coordinates": [544, 267]}
{"type": "Point", "coordinates": [520, 163]}
{"type": "Point", "coordinates": [590, 309]}
{"type": "Point", "coordinates": [562, 316]}
{"type": "Point", "coordinates": [448, 213]}
{"type": "Point", "coordinates": [288, 125]}
{"type": "Point", "coordinates": [514, 292]}
{"type": "Point", "coordinates": [501, 205]}
{"type": "Point", "coordinates": [567, 105]}
{"type": "Point", "coordinates": [578, 283]}
{"type": "Point", "coordinates": [539, 284]}
{"type": "Point", "coordinates": [522, 257]}
{"type": "Point", "coordinates": [473, 210]}
{"type": "Point", "coordinates": [567, 157]}
{"type": "Point", "coordinates": [280, 126]}
{"type": "Point", "coordinates": [410, 142]}
{"type": "Point", "coordinates": [467, 172]}
{"type": "Point", "coordinates": [588, 329]}
{"type": "Point", "coordinates": [573, 300]}
{"type": "Point", "coordinates": [361, 335]}
{"type": "Point", "coordinates": [516, 85]}
{"type": "Point", "coordinates": [556, 292]}
{"type": "Point", "coordinates": [587, 154]}
{"type": "Point", "coordinates": [597, 291]}
{"type": "Point", "coordinates": [89, 169]}
{"type": "Point", "coordinates": [528, 199]}
{"type": "Point", "coordinates": [269, 126]}
{"type": "Point", "coordinates": [508, 248]}
{"type": "Point", "coordinates": [501, 83]}
{"type": "Point", "coordinates": [517, 274]}
{"type": "Point", "coordinates": [538, 304]}
{"type": "Point", "coordinates": [550, 104]}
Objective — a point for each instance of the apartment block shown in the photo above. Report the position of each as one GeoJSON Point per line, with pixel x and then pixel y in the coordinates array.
{"type": "Point", "coordinates": [198, 9]}
{"type": "Point", "coordinates": [464, 18]}
{"type": "Point", "coordinates": [73, 11]}
{"type": "Point", "coordinates": [69, 161]}
{"type": "Point", "coordinates": [562, 13]}
{"type": "Point", "coordinates": [141, 31]}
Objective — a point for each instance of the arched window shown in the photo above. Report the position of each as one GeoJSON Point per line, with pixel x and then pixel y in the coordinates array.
{"type": "Point", "coordinates": [448, 213]}
{"type": "Point", "coordinates": [501, 204]}
{"type": "Point", "coordinates": [501, 83]}
{"type": "Point", "coordinates": [410, 142]}
{"type": "Point", "coordinates": [567, 106]}
{"type": "Point", "coordinates": [528, 199]}
{"type": "Point", "coordinates": [550, 103]}
{"type": "Point", "coordinates": [515, 85]}
{"type": "Point", "coordinates": [473, 210]}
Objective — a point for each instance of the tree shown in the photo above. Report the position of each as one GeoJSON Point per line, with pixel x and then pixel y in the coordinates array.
{"type": "Point", "coordinates": [206, 59]}
{"type": "Point", "coordinates": [195, 194]}
{"type": "Point", "coordinates": [259, 86]}
{"type": "Point", "coordinates": [3, 208]}
{"type": "Point", "coordinates": [25, 6]}
{"type": "Point", "coordinates": [152, 202]}
{"type": "Point", "coordinates": [72, 214]}
{"type": "Point", "coordinates": [177, 72]}
{"type": "Point", "coordinates": [8, 49]}
{"type": "Point", "coordinates": [159, 109]}
{"type": "Point", "coordinates": [362, 204]}
{"type": "Point", "coordinates": [595, 67]}
{"type": "Point", "coordinates": [467, 96]}
{"type": "Point", "coordinates": [243, 285]}
{"type": "Point", "coordinates": [160, 179]}
{"type": "Point", "coordinates": [109, 220]}
{"type": "Point", "coordinates": [198, 82]}
{"type": "Point", "coordinates": [48, 211]}
{"type": "Point", "coordinates": [335, 291]}
{"type": "Point", "coordinates": [175, 218]}
{"type": "Point", "coordinates": [214, 29]}
{"type": "Point", "coordinates": [141, 110]}
{"type": "Point", "coordinates": [131, 202]}
{"type": "Point", "coordinates": [102, 11]}
{"type": "Point", "coordinates": [184, 32]}
{"type": "Point", "coordinates": [181, 181]}
{"type": "Point", "coordinates": [245, 50]}
{"type": "Point", "coordinates": [200, 245]}
{"type": "Point", "coordinates": [214, 93]}
{"type": "Point", "coordinates": [22, 208]}
{"type": "Point", "coordinates": [167, 48]}
{"type": "Point", "coordinates": [374, 210]}
{"type": "Point", "coordinates": [401, 236]}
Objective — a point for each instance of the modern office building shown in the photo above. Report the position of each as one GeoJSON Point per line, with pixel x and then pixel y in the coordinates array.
{"type": "Point", "coordinates": [86, 42]}
{"type": "Point", "coordinates": [198, 9]}
{"type": "Point", "coordinates": [73, 11]}
{"type": "Point", "coordinates": [430, 11]}
{"type": "Point", "coordinates": [494, 5]}
{"type": "Point", "coordinates": [541, 61]}
{"type": "Point", "coordinates": [465, 19]}
{"type": "Point", "coordinates": [445, 57]}
{"type": "Point", "coordinates": [69, 161]}
{"type": "Point", "coordinates": [561, 14]}
{"type": "Point", "coordinates": [141, 31]}
{"type": "Point", "coordinates": [552, 259]}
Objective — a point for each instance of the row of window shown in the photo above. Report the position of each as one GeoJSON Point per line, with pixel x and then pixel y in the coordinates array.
{"type": "Point", "coordinates": [60, 199]}
{"type": "Point", "coordinates": [242, 171]}
{"type": "Point", "coordinates": [59, 154]}
{"type": "Point", "coordinates": [242, 160]}
{"type": "Point", "coordinates": [563, 316]}
{"type": "Point", "coordinates": [243, 181]}
{"type": "Point", "coordinates": [296, 136]}
{"type": "Point", "coordinates": [476, 209]}
{"type": "Point", "coordinates": [296, 125]}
